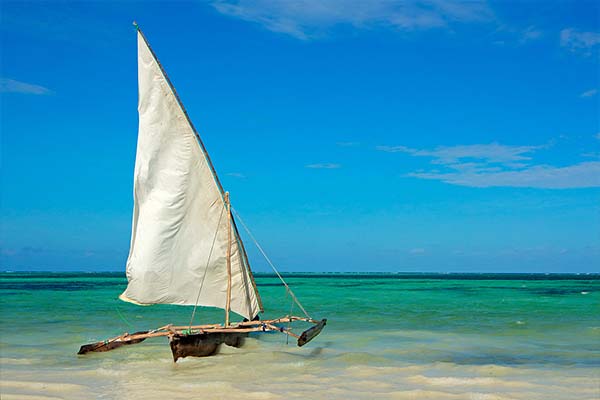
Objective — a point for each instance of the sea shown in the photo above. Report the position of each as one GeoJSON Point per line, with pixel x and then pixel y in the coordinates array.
{"type": "Point", "coordinates": [388, 336]}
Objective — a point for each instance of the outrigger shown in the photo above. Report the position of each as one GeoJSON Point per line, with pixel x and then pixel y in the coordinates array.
{"type": "Point", "coordinates": [204, 340]}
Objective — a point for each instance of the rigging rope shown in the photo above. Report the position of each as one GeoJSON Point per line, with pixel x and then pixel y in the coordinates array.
{"type": "Point", "coordinates": [206, 269]}
{"type": "Point", "coordinates": [270, 263]}
{"type": "Point", "coordinates": [123, 318]}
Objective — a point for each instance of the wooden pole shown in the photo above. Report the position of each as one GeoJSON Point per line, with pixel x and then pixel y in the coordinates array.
{"type": "Point", "coordinates": [228, 304]}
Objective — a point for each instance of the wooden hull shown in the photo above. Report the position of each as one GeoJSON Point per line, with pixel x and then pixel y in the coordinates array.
{"type": "Point", "coordinates": [203, 344]}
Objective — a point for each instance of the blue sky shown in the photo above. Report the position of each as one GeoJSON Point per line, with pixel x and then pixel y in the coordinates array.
{"type": "Point", "coordinates": [353, 136]}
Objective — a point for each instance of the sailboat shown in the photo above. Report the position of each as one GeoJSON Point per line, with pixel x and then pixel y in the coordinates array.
{"type": "Point", "coordinates": [185, 245]}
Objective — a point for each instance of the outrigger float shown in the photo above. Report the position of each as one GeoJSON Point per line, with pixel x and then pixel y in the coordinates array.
{"type": "Point", "coordinates": [185, 246]}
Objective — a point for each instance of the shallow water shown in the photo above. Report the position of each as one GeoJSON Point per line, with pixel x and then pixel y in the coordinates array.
{"type": "Point", "coordinates": [388, 337]}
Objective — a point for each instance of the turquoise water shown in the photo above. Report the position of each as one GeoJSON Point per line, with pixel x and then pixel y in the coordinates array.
{"type": "Point", "coordinates": [470, 336]}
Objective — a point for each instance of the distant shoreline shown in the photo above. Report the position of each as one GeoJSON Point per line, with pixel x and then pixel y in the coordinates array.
{"type": "Point", "coordinates": [355, 275]}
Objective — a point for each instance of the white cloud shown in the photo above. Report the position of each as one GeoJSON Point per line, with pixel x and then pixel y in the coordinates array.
{"type": "Point", "coordinates": [584, 174]}
{"type": "Point", "coordinates": [530, 34]}
{"type": "Point", "coordinates": [581, 42]}
{"type": "Point", "coordinates": [589, 93]}
{"type": "Point", "coordinates": [591, 154]}
{"type": "Point", "coordinates": [323, 166]}
{"type": "Point", "coordinates": [395, 149]}
{"type": "Point", "coordinates": [493, 152]}
{"type": "Point", "coordinates": [306, 19]}
{"type": "Point", "coordinates": [348, 144]}
{"type": "Point", "coordinates": [509, 35]}
{"type": "Point", "coordinates": [487, 165]}
{"type": "Point", "coordinates": [13, 86]}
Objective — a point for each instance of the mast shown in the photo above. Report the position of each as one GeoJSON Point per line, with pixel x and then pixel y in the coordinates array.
{"type": "Point", "coordinates": [228, 304]}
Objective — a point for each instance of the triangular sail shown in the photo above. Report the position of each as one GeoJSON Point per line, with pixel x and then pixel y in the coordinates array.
{"type": "Point", "coordinates": [179, 216]}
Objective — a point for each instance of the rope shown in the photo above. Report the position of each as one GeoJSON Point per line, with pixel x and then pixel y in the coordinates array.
{"type": "Point", "coordinates": [123, 318]}
{"type": "Point", "coordinates": [206, 268]}
{"type": "Point", "coordinates": [270, 263]}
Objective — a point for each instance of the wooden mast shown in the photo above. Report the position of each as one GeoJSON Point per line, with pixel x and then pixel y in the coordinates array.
{"type": "Point", "coordinates": [228, 303]}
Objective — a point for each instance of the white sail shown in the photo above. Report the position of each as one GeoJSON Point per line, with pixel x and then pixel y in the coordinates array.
{"type": "Point", "coordinates": [179, 211]}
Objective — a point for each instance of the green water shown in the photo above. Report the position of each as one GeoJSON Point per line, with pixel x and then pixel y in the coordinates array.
{"type": "Point", "coordinates": [400, 336]}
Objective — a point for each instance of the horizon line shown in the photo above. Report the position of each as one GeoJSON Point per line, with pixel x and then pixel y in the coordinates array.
{"type": "Point", "coordinates": [328, 272]}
